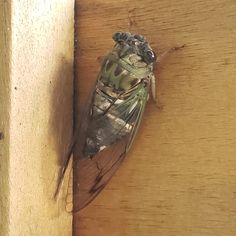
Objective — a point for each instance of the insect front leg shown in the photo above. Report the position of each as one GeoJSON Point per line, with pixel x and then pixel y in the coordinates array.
{"type": "Point", "coordinates": [153, 88]}
{"type": "Point", "coordinates": [169, 51]}
{"type": "Point", "coordinates": [153, 80]}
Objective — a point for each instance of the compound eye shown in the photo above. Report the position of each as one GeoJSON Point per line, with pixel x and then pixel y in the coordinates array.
{"type": "Point", "coordinates": [117, 36]}
{"type": "Point", "coordinates": [150, 56]}
{"type": "Point", "coordinates": [139, 37]}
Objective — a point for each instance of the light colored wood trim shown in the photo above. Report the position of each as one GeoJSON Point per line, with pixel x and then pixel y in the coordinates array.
{"type": "Point", "coordinates": [36, 103]}
{"type": "Point", "coordinates": [5, 53]}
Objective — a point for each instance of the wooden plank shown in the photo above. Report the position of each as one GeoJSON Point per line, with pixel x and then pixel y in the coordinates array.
{"type": "Point", "coordinates": [36, 104]}
{"type": "Point", "coordinates": [5, 41]}
{"type": "Point", "coordinates": [179, 178]}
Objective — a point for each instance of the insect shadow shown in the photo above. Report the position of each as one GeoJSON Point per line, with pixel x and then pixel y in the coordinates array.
{"type": "Point", "coordinates": [61, 116]}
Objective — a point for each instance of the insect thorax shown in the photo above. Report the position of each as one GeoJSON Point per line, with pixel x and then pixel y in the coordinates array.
{"type": "Point", "coordinates": [122, 70]}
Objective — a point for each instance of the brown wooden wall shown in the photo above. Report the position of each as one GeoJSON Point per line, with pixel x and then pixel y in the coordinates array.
{"type": "Point", "coordinates": [180, 177]}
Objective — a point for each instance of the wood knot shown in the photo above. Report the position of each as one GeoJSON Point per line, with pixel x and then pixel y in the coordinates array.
{"type": "Point", "coordinates": [1, 135]}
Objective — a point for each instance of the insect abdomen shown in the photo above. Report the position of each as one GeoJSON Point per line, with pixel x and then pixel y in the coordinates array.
{"type": "Point", "coordinates": [106, 131]}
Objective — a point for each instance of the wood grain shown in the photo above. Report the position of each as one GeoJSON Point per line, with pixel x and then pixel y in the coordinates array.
{"type": "Point", "coordinates": [36, 69]}
{"type": "Point", "coordinates": [180, 178]}
{"type": "Point", "coordinates": [5, 41]}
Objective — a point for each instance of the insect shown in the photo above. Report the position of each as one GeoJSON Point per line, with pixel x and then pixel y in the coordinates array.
{"type": "Point", "coordinates": [113, 116]}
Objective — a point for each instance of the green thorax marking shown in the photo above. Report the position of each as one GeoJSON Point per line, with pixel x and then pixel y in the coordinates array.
{"type": "Point", "coordinates": [112, 74]}
{"type": "Point", "coordinates": [119, 74]}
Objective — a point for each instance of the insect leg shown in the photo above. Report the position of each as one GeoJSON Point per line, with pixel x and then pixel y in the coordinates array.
{"type": "Point", "coordinates": [153, 91]}
{"type": "Point", "coordinates": [153, 87]}
{"type": "Point", "coordinates": [169, 51]}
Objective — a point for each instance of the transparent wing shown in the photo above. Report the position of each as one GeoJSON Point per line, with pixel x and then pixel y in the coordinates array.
{"type": "Point", "coordinates": [92, 174]}
{"type": "Point", "coordinates": [80, 127]}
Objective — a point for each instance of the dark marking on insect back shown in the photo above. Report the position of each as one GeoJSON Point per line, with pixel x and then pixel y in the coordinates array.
{"type": "Point", "coordinates": [108, 65]}
{"type": "Point", "coordinates": [1, 135]}
{"type": "Point", "coordinates": [133, 82]}
{"type": "Point", "coordinates": [118, 71]}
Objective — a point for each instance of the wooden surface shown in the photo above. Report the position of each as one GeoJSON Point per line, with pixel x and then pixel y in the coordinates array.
{"type": "Point", "coordinates": [180, 177]}
{"type": "Point", "coordinates": [36, 68]}
{"type": "Point", "coordinates": [5, 40]}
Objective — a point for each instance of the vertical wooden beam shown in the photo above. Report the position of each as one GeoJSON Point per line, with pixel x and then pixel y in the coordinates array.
{"type": "Point", "coordinates": [5, 42]}
{"type": "Point", "coordinates": [36, 93]}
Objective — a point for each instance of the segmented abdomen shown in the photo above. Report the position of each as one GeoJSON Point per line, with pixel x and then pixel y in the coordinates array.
{"type": "Point", "coordinates": [108, 123]}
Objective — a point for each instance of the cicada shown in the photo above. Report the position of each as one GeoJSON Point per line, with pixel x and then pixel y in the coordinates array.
{"type": "Point", "coordinates": [114, 113]}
